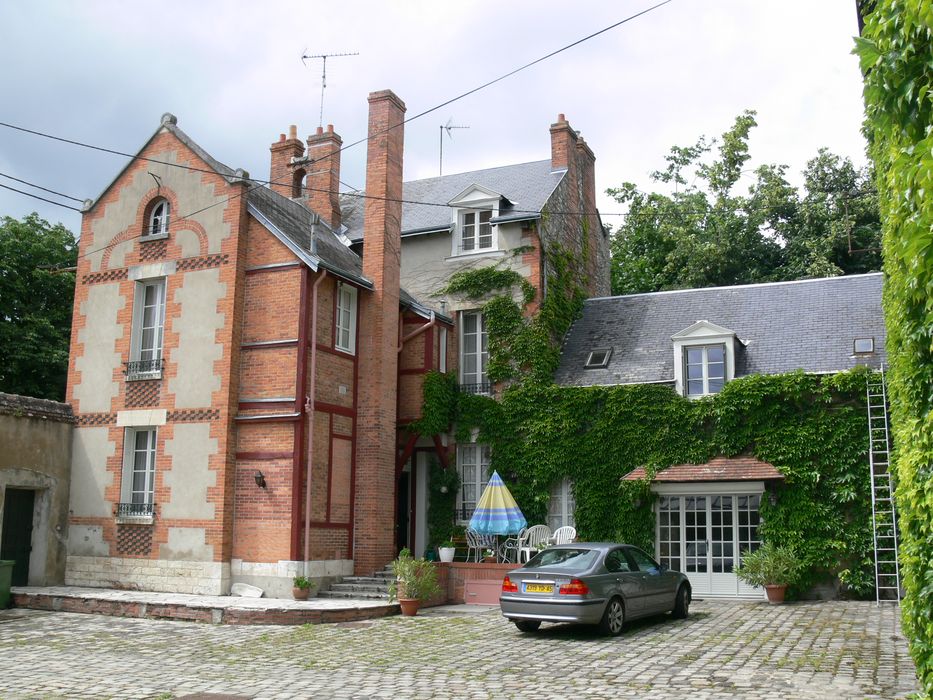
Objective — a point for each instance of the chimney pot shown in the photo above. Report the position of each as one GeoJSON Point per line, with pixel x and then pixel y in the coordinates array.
{"type": "Point", "coordinates": [330, 128]}
{"type": "Point", "coordinates": [320, 130]}
{"type": "Point", "coordinates": [561, 118]}
{"type": "Point", "coordinates": [281, 138]}
{"type": "Point", "coordinates": [293, 132]}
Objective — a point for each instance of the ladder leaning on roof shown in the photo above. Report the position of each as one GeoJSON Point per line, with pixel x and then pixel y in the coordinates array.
{"type": "Point", "coordinates": [883, 516]}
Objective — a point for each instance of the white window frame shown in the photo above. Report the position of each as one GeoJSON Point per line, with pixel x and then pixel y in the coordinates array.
{"type": "Point", "coordinates": [702, 333]}
{"type": "Point", "coordinates": [479, 379]}
{"type": "Point", "coordinates": [478, 457]}
{"type": "Point", "coordinates": [561, 506]}
{"type": "Point", "coordinates": [158, 221]}
{"type": "Point", "coordinates": [133, 459]}
{"type": "Point", "coordinates": [442, 350]}
{"type": "Point", "coordinates": [471, 204]}
{"type": "Point", "coordinates": [345, 314]}
{"type": "Point", "coordinates": [137, 350]}
{"type": "Point", "coordinates": [705, 365]}
{"type": "Point", "coordinates": [472, 220]}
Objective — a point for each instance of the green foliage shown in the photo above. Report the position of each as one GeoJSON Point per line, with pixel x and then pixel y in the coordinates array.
{"type": "Point", "coordinates": [769, 565]}
{"type": "Point", "coordinates": [442, 501]}
{"type": "Point", "coordinates": [440, 391]}
{"type": "Point", "coordinates": [811, 428]}
{"type": "Point", "coordinates": [303, 583]}
{"type": "Point", "coordinates": [476, 283]}
{"type": "Point", "coordinates": [706, 234]}
{"type": "Point", "coordinates": [414, 578]}
{"type": "Point", "coordinates": [35, 306]}
{"type": "Point", "coordinates": [896, 54]}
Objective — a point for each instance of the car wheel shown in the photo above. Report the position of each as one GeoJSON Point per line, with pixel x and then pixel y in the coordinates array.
{"type": "Point", "coordinates": [682, 603]}
{"type": "Point", "coordinates": [527, 625]}
{"type": "Point", "coordinates": [613, 619]}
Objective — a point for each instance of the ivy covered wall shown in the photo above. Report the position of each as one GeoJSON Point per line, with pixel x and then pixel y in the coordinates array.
{"type": "Point", "coordinates": [813, 429]}
{"type": "Point", "coordinates": [896, 54]}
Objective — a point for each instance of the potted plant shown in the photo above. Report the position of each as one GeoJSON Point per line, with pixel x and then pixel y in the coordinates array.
{"type": "Point", "coordinates": [301, 587]}
{"type": "Point", "coordinates": [415, 580]}
{"type": "Point", "coordinates": [770, 566]}
{"type": "Point", "coordinates": [446, 550]}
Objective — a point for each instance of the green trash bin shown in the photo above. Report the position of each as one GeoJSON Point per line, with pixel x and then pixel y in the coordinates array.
{"type": "Point", "coordinates": [6, 579]}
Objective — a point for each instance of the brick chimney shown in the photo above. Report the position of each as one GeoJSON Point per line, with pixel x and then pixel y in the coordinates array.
{"type": "Point", "coordinates": [374, 538]}
{"type": "Point", "coordinates": [323, 182]}
{"type": "Point", "coordinates": [563, 143]}
{"type": "Point", "coordinates": [286, 179]}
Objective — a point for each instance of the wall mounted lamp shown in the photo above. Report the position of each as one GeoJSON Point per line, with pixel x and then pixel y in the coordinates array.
{"type": "Point", "coordinates": [772, 497]}
{"type": "Point", "coordinates": [260, 480]}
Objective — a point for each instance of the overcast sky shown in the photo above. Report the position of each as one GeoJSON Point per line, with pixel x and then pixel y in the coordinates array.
{"type": "Point", "coordinates": [104, 72]}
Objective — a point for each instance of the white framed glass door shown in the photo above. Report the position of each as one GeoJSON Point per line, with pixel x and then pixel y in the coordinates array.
{"type": "Point", "coordinates": [703, 535]}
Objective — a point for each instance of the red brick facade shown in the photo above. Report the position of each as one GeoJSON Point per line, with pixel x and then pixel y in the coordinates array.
{"type": "Point", "coordinates": [273, 445]}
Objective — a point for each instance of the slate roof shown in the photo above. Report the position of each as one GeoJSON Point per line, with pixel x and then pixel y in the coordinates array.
{"type": "Point", "coordinates": [293, 220]}
{"type": "Point", "coordinates": [527, 186]}
{"type": "Point", "coordinates": [784, 326]}
{"type": "Point", "coordinates": [719, 469]}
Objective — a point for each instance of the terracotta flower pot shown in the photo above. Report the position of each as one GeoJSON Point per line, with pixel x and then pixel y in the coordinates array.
{"type": "Point", "coordinates": [409, 606]}
{"type": "Point", "coordinates": [775, 593]}
{"type": "Point", "coordinates": [300, 593]}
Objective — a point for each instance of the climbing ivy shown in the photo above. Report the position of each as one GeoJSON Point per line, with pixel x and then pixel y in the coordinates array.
{"type": "Point", "coordinates": [896, 53]}
{"type": "Point", "coordinates": [811, 428]}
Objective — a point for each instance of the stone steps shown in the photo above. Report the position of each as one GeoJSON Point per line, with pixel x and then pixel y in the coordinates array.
{"type": "Point", "coordinates": [375, 587]}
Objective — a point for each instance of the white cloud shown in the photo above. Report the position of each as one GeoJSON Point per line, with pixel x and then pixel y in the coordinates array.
{"type": "Point", "coordinates": [104, 72]}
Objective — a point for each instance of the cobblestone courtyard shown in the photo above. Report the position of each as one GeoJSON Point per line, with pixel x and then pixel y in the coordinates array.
{"type": "Point", "coordinates": [743, 650]}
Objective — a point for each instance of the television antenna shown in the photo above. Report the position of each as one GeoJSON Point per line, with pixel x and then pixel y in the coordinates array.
{"type": "Point", "coordinates": [323, 57]}
{"type": "Point", "coordinates": [448, 127]}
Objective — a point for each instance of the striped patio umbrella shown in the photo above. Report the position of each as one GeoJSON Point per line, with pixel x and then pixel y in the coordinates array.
{"type": "Point", "coordinates": [497, 513]}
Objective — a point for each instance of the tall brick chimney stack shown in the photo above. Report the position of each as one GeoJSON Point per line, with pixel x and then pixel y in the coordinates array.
{"type": "Point", "coordinates": [286, 180]}
{"type": "Point", "coordinates": [563, 143]}
{"type": "Point", "coordinates": [374, 542]}
{"type": "Point", "coordinates": [323, 183]}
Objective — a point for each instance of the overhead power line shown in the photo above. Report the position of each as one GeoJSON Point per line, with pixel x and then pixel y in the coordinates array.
{"type": "Point", "coordinates": [44, 199]}
{"type": "Point", "coordinates": [370, 136]}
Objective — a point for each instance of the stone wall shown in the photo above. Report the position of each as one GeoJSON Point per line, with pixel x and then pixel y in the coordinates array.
{"type": "Point", "coordinates": [35, 455]}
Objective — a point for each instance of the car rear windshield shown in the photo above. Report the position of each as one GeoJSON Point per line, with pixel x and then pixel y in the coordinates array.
{"type": "Point", "coordinates": [573, 559]}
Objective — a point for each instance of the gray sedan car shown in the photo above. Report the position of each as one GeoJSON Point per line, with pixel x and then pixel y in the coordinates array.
{"type": "Point", "coordinates": [597, 583]}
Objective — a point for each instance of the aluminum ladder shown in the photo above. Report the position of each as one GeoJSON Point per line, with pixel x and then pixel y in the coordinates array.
{"type": "Point", "coordinates": [883, 515]}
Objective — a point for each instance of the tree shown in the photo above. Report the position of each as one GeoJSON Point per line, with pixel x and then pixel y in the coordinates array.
{"type": "Point", "coordinates": [703, 234]}
{"type": "Point", "coordinates": [35, 306]}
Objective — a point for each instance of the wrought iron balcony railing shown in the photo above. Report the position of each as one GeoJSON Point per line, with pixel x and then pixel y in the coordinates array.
{"type": "Point", "coordinates": [135, 510]}
{"type": "Point", "coordinates": [477, 388]}
{"type": "Point", "coordinates": [143, 369]}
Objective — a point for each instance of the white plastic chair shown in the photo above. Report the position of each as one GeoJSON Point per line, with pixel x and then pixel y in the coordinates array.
{"type": "Point", "coordinates": [564, 535]}
{"type": "Point", "coordinates": [477, 544]}
{"type": "Point", "coordinates": [513, 544]}
{"type": "Point", "coordinates": [534, 536]}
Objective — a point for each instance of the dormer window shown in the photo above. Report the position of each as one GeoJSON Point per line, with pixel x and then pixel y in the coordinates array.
{"type": "Point", "coordinates": [475, 231]}
{"type": "Point", "coordinates": [157, 225]}
{"type": "Point", "coordinates": [705, 369]}
{"type": "Point", "coordinates": [473, 224]}
{"type": "Point", "coordinates": [704, 359]}
{"type": "Point", "coordinates": [598, 358]}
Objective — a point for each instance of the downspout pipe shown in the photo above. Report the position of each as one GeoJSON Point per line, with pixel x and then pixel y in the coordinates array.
{"type": "Point", "coordinates": [418, 331]}
{"type": "Point", "coordinates": [309, 409]}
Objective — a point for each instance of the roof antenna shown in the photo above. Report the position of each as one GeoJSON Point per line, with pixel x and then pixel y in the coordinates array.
{"type": "Point", "coordinates": [446, 127]}
{"type": "Point", "coordinates": [324, 57]}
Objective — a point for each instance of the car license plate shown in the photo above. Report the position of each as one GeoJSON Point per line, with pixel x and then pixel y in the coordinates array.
{"type": "Point", "coordinates": [539, 588]}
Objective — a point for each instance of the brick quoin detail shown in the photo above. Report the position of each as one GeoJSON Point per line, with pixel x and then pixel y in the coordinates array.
{"type": "Point", "coordinates": [374, 543]}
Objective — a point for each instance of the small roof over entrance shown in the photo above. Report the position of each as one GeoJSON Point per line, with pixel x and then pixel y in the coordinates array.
{"type": "Point", "coordinates": [719, 469]}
